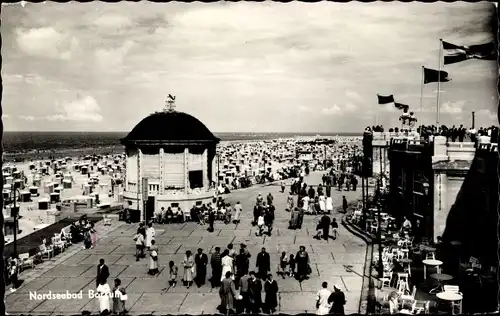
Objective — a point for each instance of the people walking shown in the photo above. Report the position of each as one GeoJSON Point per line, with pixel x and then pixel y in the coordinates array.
{"type": "Point", "coordinates": [201, 261]}
{"type": "Point", "coordinates": [237, 213]}
{"type": "Point", "coordinates": [271, 297]}
{"type": "Point", "coordinates": [227, 294]}
{"type": "Point", "coordinates": [244, 292]}
{"type": "Point", "coordinates": [344, 204]}
{"type": "Point", "coordinates": [216, 263]}
{"type": "Point", "coordinates": [255, 290]}
{"type": "Point", "coordinates": [102, 272]}
{"type": "Point", "coordinates": [153, 258]}
{"type": "Point", "coordinates": [188, 264]}
{"type": "Point", "coordinates": [227, 264]}
{"type": "Point", "coordinates": [322, 305]}
{"type": "Point", "coordinates": [150, 235]}
{"type": "Point", "coordinates": [302, 261]}
{"type": "Point", "coordinates": [263, 264]}
{"type": "Point", "coordinates": [139, 246]}
{"type": "Point", "coordinates": [335, 227]}
{"type": "Point", "coordinates": [337, 299]}
{"type": "Point", "coordinates": [103, 297]}
{"type": "Point", "coordinates": [119, 298]}
{"type": "Point", "coordinates": [174, 271]}
{"type": "Point", "coordinates": [283, 265]}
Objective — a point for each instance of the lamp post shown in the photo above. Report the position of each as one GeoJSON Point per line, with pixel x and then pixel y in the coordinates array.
{"type": "Point", "coordinates": [14, 213]}
{"type": "Point", "coordinates": [379, 230]}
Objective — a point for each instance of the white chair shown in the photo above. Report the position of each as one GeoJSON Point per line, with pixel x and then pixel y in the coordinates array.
{"type": "Point", "coordinates": [107, 221]}
{"type": "Point", "coordinates": [25, 261]}
{"type": "Point", "coordinates": [420, 307]}
{"type": "Point", "coordinates": [46, 251]}
{"type": "Point", "coordinates": [430, 256]}
{"type": "Point", "coordinates": [410, 297]}
{"type": "Point", "coordinates": [386, 278]}
{"type": "Point", "coordinates": [401, 277]}
{"type": "Point", "coordinates": [374, 227]}
{"type": "Point", "coordinates": [402, 287]}
{"type": "Point", "coordinates": [187, 215]}
{"type": "Point", "coordinates": [454, 304]}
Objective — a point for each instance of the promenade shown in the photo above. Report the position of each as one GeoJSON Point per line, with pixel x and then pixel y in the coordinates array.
{"type": "Point", "coordinates": [338, 261]}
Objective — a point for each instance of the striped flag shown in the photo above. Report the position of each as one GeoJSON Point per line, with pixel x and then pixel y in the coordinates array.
{"type": "Point", "coordinates": [457, 53]}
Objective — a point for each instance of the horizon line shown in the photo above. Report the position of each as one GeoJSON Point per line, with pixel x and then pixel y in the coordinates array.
{"type": "Point", "coordinates": [27, 131]}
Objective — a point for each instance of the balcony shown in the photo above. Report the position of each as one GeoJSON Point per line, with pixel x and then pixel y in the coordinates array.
{"type": "Point", "coordinates": [383, 139]}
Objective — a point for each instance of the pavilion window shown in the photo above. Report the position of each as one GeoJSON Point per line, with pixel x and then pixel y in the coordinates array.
{"type": "Point", "coordinates": [196, 179]}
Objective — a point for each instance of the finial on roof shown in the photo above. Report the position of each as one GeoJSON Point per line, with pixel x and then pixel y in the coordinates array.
{"type": "Point", "coordinates": [170, 103]}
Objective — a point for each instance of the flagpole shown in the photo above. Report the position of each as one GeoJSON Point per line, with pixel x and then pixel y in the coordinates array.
{"type": "Point", "coordinates": [439, 81]}
{"type": "Point", "coordinates": [421, 98]}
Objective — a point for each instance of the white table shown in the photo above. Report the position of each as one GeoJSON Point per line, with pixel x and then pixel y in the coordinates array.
{"type": "Point", "coordinates": [432, 263]}
{"type": "Point", "coordinates": [451, 297]}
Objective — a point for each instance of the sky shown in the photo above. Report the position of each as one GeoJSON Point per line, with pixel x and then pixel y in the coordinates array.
{"type": "Point", "coordinates": [240, 67]}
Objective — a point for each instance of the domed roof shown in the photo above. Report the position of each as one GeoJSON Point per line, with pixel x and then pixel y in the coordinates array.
{"type": "Point", "coordinates": [169, 128]}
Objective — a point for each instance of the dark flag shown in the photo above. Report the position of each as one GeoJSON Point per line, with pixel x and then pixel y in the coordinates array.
{"type": "Point", "coordinates": [486, 51]}
{"type": "Point", "coordinates": [401, 106]}
{"type": "Point", "coordinates": [431, 75]}
{"type": "Point", "coordinates": [385, 99]}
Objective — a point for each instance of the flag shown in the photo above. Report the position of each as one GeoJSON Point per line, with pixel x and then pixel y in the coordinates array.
{"type": "Point", "coordinates": [486, 51]}
{"type": "Point", "coordinates": [385, 99]}
{"type": "Point", "coordinates": [401, 106]}
{"type": "Point", "coordinates": [431, 75]}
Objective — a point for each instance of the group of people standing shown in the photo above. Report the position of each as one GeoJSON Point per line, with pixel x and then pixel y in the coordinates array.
{"type": "Point", "coordinates": [263, 214]}
{"type": "Point", "coordinates": [110, 300]}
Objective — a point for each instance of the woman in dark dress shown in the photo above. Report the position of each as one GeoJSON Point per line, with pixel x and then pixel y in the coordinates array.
{"type": "Point", "coordinates": [271, 299]}
{"type": "Point", "coordinates": [337, 299]}
{"type": "Point", "coordinates": [302, 262]}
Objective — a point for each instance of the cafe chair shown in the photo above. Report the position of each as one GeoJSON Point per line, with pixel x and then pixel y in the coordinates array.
{"type": "Point", "coordinates": [106, 220]}
{"type": "Point", "coordinates": [386, 279]}
{"type": "Point", "coordinates": [410, 297]}
{"type": "Point", "coordinates": [430, 256]}
{"type": "Point", "coordinates": [421, 307]}
{"type": "Point", "coordinates": [26, 261]}
{"type": "Point", "coordinates": [454, 305]}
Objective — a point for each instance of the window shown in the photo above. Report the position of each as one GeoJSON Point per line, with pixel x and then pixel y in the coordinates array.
{"type": "Point", "coordinates": [196, 179]}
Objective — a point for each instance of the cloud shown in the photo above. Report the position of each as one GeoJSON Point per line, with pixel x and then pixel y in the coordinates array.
{"type": "Point", "coordinates": [5, 116]}
{"type": "Point", "coordinates": [335, 109]}
{"type": "Point", "coordinates": [113, 57]}
{"type": "Point", "coordinates": [46, 42]}
{"type": "Point", "coordinates": [303, 108]}
{"type": "Point", "coordinates": [86, 109]}
{"type": "Point", "coordinates": [452, 107]}
{"type": "Point", "coordinates": [487, 114]}
{"type": "Point", "coordinates": [27, 117]}
{"type": "Point", "coordinates": [353, 95]}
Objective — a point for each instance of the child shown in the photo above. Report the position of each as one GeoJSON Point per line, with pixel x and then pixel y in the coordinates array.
{"type": "Point", "coordinates": [283, 264]}
{"type": "Point", "coordinates": [291, 266]}
{"type": "Point", "coordinates": [139, 246]}
{"type": "Point", "coordinates": [173, 274]}
{"type": "Point", "coordinates": [260, 224]}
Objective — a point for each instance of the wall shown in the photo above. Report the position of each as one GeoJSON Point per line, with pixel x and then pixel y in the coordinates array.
{"type": "Point", "coordinates": [450, 163]}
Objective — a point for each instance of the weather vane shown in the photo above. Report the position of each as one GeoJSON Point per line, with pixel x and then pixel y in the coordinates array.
{"type": "Point", "coordinates": [170, 103]}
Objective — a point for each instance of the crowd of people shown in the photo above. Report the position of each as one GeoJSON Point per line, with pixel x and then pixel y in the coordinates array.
{"type": "Point", "coordinates": [452, 134]}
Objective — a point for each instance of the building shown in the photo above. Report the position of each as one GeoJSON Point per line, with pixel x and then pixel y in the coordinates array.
{"type": "Point", "coordinates": [169, 163]}
{"type": "Point", "coordinates": [425, 177]}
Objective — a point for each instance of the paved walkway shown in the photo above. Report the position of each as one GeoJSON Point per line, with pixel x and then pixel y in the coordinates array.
{"type": "Point", "coordinates": [338, 261]}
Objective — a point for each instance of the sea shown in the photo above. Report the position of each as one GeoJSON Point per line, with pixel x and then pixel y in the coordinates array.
{"type": "Point", "coordinates": [23, 144]}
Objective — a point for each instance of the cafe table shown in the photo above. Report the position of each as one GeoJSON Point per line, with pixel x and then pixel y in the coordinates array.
{"type": "Point", "coordinates": [440, 277]}
{"type": "Point", "coordinates": [432, 263]}
{"type": "Point", "coordinates": [451, 297]}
